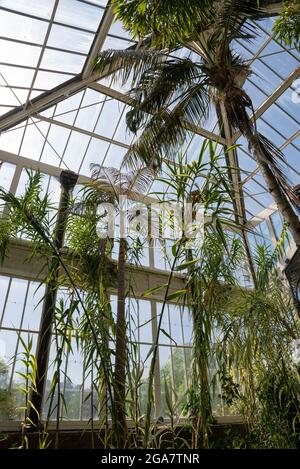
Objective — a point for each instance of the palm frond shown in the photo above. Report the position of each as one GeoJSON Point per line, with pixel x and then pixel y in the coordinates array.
{"type": "Point", "coordinates": [160, 138]}
{"type": "Point", "coordinates": [159, 87]}
{"type": "Point", "coordinates": [166, 130]}
{"type": "Point", "coordinates": [233, 20]}
{"type": "Point", "coordinates": [168, 23]}
{"type": "Point", "coordinates": [128, 64]}
{"type": "Point", "coordinates": [140, 180]}
{"type": "Point", "coordinates": [123, 182]}
{"type": "Point", "coordinates": [106, 175]}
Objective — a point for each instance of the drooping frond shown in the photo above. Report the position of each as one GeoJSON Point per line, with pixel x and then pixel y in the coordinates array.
{"type": "Point", "coordinates": [160, 138]}
{"type": "Point", "coordinates": [236, 103]}
{"type": "Point", "coordinates": [128, 64]}
{"type": "Point", "coordinates": [160, 86]}
{"type": "Point", "coordinates": [167, 128]}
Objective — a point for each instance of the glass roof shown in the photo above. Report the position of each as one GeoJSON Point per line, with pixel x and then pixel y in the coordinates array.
{"type": "Point", "coordinates": [46, 44]}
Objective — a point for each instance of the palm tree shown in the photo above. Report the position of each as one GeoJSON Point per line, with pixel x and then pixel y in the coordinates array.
{"type": "Point", "coordinates": [172, 94]}
{"type": "Point", "coordinates": [121, 184]}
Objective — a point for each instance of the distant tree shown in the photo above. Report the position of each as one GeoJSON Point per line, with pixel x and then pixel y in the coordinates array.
{"type": "Point", "coordinates": [287, 26]}
{"type": "Point", "coordinates": [6, 396]}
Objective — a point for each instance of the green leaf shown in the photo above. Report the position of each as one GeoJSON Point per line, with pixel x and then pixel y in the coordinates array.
{"type": "Point", "coordinates": [153, 290]}
{"type": "Point", "coordinates": [168, 335]}
{"type": "Point", "coordinates": [174, 250]}
{"type": "Point", "coordinates": [177, 294]}
{"type": "Point", "coordinates": [187, 264]}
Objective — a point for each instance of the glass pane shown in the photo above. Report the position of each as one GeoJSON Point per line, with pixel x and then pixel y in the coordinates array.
{"type": "Point", "coordinates": [34, 140]}
{"type": "Point", "coordinates": [187, 324]}
{"type": "Point", "coordinates": [75, 150]}
{"type": "Point", "coordinates": [277, 224]}
{"type": "Point", "coordinates": [4, 284]}
{"type": "Point", "coordinates": [22, 28]}
{"type": "Point", "coordinates": [175, 321]}
{"type": "Point", "coordinates": [115, 156]}
{"type": "Point", "coordinates": [9, 97]}
{"type": "Point", "coordinates": [48, 80]}
{"type": "Point", "coordinates": [19, 54]}
{"type": "Point", "coordinates": [111, 109]}
{"type": "Point", "coordinates": [73, 386]}
{"type": "Point", "coordinates": [117, 29]}
{"type": "Point", "coordinates": [10, 141]}
{"type": "Point", "coordinates": [116, 43]}
{"type": "Point", "coordinates": [55, 145]}
{"type": "Point", "coordinates": [15, 303]}
{"type": "Point", "coordinates": [145, 323]}
{"type": "Point", "coordinates": [78, 14]}
{"type": "Point", "coordinates": [7, 172]}
{"type": "Point", "coordinates": [165, 327]}
{"type": "Point", "coordinates": [8, 342]}
{"type": "Point", "coordinates": [10, 77]}
{"type": "Point", "coordinates": [96, 152]}
{"type": "Point", "coordinates": [70, 39]}
{"type": "Point", "coordinates": [33, 308]}
{"type": "Point", "coordinates": [62, 61]}
{"type": "Point", "coordinates": [42, 8]}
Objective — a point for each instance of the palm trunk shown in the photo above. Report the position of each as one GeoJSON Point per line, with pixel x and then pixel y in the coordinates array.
{"type": "Point", "coordinates": [279, 197]}
{"type": "Point", "coordinates": [120, 364]}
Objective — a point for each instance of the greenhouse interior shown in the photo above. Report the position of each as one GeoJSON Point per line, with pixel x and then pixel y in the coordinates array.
{"type": "Point", "coordinates": [150, 224]}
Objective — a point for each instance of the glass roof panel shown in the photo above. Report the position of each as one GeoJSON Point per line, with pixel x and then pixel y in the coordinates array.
{"type": "Point", "coordinates": [288, 104]}
{"type": "Point", "coordinates": [114, 156]}
{"type": "Point", "coordinates": [18, 54]}
{"type": "Point", "coordinates": [110, 113]}
{"type": "Point", "coordinates": [264, 78]}
{"type": "Point", "coordinates": [55, 145]}
{"type": "Point", "coordinates": [48, 80]}
{"type": "Point", "coordinates": [70, 39]}
{"type": "Point", "coordinates": [77, 145]}
{"type": "Point", "coordinates": [270, 132]}
{"type": "Point", "coordinates": [10, 77]}
{"type": "Point", "coordinates": [10, 141]}
{"type": "Point", "coordinates": [79, 14]}
{"type": "Point", "coordinates": [62, 61]}
{"type": "Point", "coordinates": [278, 59]}
{"type": "Point", "coordinates": [42, 8]}
{"type": "Point", "coordinates": [280, 120]}
{"type": "Point", "coordinates": [34, 140]}
{"type": "Point", "coordinates": [256, 94]}
{"type": "Point", "coordinates": [112, 42]}
{"type": "Point", "coordinates": [95, 153]}
{"type": "Point", "coordinates": [15, 26]}
{"type": "Point", "coordinates": [6, 174]}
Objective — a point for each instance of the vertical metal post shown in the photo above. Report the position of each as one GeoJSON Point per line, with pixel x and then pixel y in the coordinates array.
{"type": "Point", "coordinates": [68, 180]}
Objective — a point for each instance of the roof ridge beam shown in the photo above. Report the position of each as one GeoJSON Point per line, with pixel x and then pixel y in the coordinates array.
{"type": "Point", "coordinates": [99, 40]}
